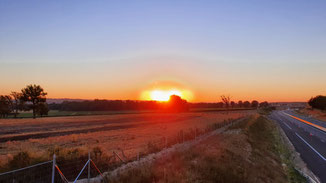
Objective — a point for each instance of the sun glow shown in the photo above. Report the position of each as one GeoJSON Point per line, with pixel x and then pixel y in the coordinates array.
{"type": "Point", "coordinates": [160, 95]}
{"type": "Point", "coordinates": [164, 95]}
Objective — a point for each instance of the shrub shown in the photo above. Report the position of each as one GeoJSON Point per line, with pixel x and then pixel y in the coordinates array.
{"type": "Point", "coordinates": [318, 102]}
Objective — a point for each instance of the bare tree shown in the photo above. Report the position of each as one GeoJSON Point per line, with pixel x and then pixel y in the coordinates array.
{"type": "Point", "coordinates": [226, 100]}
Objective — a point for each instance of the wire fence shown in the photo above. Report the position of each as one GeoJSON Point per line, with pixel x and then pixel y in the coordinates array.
{"type": "Point", "coordinates": [89, 168]}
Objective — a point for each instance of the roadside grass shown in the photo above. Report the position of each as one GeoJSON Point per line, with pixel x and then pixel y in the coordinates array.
{"type": "Point", "coordinates": [266, 140]}
{"type": "Point", "coordinates": [256, 154]}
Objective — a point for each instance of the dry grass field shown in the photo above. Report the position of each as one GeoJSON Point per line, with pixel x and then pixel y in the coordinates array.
{"type": "Point", "coordinates": [130, 132]}
{"type": "Point", "coordinates": [251, 150]}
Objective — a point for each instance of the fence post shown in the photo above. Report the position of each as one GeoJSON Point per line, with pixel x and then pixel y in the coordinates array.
{"type": "Point", "coordinates": [138, 156]}
{"type": "Point", "coordinates": [89, 167]}
{"type": "Point", "coordinates": [53, 168]}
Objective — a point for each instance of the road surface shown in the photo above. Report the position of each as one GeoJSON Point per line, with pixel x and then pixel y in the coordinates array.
{"type": "Point", "coordinates": [308, 136]}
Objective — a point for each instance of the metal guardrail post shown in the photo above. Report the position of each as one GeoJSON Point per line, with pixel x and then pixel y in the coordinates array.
{"type": "Point", "coordinates": [53, 168]}
{"type": "Point", "coordinates": [81, 171]}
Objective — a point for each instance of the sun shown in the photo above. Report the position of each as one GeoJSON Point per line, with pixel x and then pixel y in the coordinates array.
{"type": "Point", "coordinates": [163, 95]}
{"type": "Point", "coordinates": [162, 91]}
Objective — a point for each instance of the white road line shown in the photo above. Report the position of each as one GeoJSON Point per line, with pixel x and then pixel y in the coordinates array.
{"type": "Point", "coordinates": [287, 125]}
{"type": "Point", "coordinates": [322, 157]}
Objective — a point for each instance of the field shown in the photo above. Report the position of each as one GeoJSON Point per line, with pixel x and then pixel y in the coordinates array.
{"type": "Point", "coordinates": [57, 113]}
{"type": "Point", "coordinates": [251, 150]}
{"type": "Point", "coordinates": [130, 132]}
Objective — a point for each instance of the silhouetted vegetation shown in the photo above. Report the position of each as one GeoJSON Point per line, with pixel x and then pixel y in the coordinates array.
{"type": "Point", "coordinates": [32, 97]}
{"type": "Point", "coordinates": [226, 100]}
{"type": "Point", "coordinates": [36, 96]}
{"type": "Point", "coordinates": [254, 104]}
{"type": "Point", "coordinates": [318, 102]}
{"type": "Point", "coordinates": [5, 105]}
{"type": "Point", "coordinates": [177, 104]}
{"type": "Point", "coordinates": [263, 104]}
{"type": "Point", "coordinates": [246, 104]}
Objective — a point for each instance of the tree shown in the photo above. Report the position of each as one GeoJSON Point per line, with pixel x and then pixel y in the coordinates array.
{"type": "Point", "coordinates": [254, 104]}
{"type": "Point", "coordinates": [246, 104]}
{"type": "Point", "coordinates": [318, 102]}
{"type": "Point", "coordinates": [5, 105]}
{"type": "Point", "coordinates": [18, 103]}
{"type": "Point", "coordinates": [264, 104]}
{"type": "Point", "coordinates": [240, 103]}
{"type": "Point", "coordinates": [232, 103]}
{"type": "Point", "coordinates": [177, 104]}
{"type": "Point", "coordinates": [35, 95]}
{"type": "Point", "coordinates": [226, 100]}
{"type": "Point", "coordinates": [42, 109]}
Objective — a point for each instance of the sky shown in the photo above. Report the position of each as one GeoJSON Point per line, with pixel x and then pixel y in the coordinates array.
{"type": "Point", "coordinates": [253, 49]}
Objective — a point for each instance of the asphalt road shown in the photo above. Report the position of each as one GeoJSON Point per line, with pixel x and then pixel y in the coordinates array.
{"type": "Point", "coordinates": [308, 137]}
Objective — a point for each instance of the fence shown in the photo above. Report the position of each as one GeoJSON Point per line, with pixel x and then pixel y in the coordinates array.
{"type": "Point", "coordinates": [62, 171]}
{"type": "Point", "coordinates": [50, 171]}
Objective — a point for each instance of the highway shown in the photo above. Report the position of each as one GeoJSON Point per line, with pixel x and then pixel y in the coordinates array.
{"type": "Point", "coordinates": [308, 136]}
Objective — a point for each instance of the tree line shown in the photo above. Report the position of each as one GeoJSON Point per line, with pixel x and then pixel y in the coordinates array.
{"type": "Point", "coordinates": [175, 102]}
{"type": "Point", "coordinates": [318, 102]}
{"type": "Point", "coordinates": [32, 97]}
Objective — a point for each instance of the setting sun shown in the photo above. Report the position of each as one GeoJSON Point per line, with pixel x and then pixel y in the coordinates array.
{"type": "Point", "coordinates": [160, 95]}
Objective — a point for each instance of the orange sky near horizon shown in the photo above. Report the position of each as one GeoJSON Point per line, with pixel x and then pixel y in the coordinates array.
{"type": "Point", "coordinates": [99, 80]}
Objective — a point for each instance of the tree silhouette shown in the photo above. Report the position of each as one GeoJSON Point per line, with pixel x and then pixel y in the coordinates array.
{"type": "Point", "coordinates": [246, 104]}
{"type": "Point", "coordinates": [18, 103]}
{"type": "Point", "coordinates": [42, 109]}
{"type": "Point", "coordinates": [226, 100]}
{"type": "Point", "coordinates": [35, 95]}
{"type": "Point", "coordinates": [5, 105]}
{"type": "Point", "coordinates": [177, 104]}
{"type": "Point", "coordinates": [318, 102]}
{"type": "Point", "coordinates": [232, 103]}
{"type": "Point", "coordinates": [264, 104]}
{"type": "Point", "coordinates": [240, 103]}
{"type": "Point", "coordinates": [254, 104]}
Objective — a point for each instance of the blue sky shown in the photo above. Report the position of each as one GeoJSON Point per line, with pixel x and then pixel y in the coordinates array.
{"type": "Point", "coordinates": [244, 48]}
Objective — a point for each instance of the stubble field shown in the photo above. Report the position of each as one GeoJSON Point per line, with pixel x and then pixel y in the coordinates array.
{"type": "Point", "coordinates": [131, 133]}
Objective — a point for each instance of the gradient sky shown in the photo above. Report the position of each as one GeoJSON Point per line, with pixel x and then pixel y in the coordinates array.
{"type": "Point", "coordinates": [255, 49]}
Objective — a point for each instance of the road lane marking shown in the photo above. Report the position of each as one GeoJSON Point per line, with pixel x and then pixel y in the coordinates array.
{"type": "Point", "coordinates": [322, 157]}
{"type": "Point", "coordinates": [287, 125]}
{"type": "Point", "coordinates": [307, 122]}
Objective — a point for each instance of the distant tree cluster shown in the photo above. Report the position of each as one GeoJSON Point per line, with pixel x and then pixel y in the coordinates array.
{"type": "Point", "coordinates": [226, 102]}
{"type": "Point", "coordinates": [32, 97]}
{"type": "Point", "coordinates": [105, 105]}
{"type": "Point", "coordinates": [177, 104]}
{"type": "Point", "coordinates": [318, 102]}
